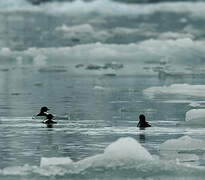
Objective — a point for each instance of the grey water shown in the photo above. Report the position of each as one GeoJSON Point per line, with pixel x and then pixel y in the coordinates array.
{"type": "Point", "coordinates": [91, 62]}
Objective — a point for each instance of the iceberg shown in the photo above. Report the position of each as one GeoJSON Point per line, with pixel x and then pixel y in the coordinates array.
{"type": "Point", "coordinates": [123, 152]}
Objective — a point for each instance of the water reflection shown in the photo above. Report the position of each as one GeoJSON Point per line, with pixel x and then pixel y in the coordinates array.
{"type": "Point", "coordinates": [142, 138]}
{"type": "Point", "coordinates": [49, 126]}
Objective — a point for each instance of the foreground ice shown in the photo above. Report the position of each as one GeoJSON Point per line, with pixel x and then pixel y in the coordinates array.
{"type": "Point", "coordinates": [184, 149]}
{"type": "Point", "coordinates": [123, 159]}
{"type": "Point", "coordinates": [123, 151]}
{"type": "Point", "coordinates": [183, 143]}
{"type": "Point", "coordinates": [55, 161]}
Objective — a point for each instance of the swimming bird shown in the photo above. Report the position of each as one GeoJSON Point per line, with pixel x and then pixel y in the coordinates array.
{"type": "Point", "coordinates": [43, 111]}
{"type": "Point", "coordinates": [142, 122]}
{"type": "Point", "coordinates": [49, 120]}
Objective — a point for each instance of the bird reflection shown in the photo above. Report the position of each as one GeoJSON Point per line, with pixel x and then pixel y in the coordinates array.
{"type": "Point", "coordinates": [142, 138]}
{"type": "Point", "coordinates": [49, 126]}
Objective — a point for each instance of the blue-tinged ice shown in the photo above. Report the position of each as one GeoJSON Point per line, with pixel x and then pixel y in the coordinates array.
{"type": "Point", "coordinates": [195, 117]}
{"type": "Point", "coordinates": [55, 161]}
{"type": "Point", "coordinates": [183, 143]}
{"type": "Point", "coordinates": [184, 150]}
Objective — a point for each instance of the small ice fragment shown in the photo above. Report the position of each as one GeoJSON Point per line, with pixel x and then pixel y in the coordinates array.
{"type": "Point", "coordinates": [55, 161]}
{"type": "Point", "coordinates": [194, 104]}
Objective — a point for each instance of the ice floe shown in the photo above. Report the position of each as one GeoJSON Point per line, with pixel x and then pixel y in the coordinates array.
{"type": "Point", "coordinates": [195, 117]}
{"type": "Point", "coordinates": [184, 149]}
{"type": "Point", "coordinates": [124, 156]}
{"type": "Point", "coordinates": [176, 89]}
{"type": "Point", "coordinates": [183, 143]}
{"type": "Point", "coordinates": [122, 152]}
{"type": "Point", "coordinates": [55, 161]}
{"type": "Point", "coordinates": [107, 7]}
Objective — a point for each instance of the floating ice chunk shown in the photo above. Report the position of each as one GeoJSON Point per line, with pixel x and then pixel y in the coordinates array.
{"type": "Point", "coordinates": [55, 161]}
{"type": "Point", "coordinates": [40, 60]}
{"type": "Point", "coordinates": [182, 149]}
{"type": "Point", "coordinates": [183, 143]}
{"type": "Point", "coordinates": [99, 88]}
{"type": "Point", "coordinates": [195, 116]}
{"type": "Point", "coordinates": [178, 89]}
{"type": "Point", "coordinates": [5, 51]}
{"type": "Point", "coordinates": [194, 104]}
{"type": "Point", "coordinates": [125, 156]}
{"type": "Point", "coordinates": [185, 158]}
{"type": "Point", "coordinates": [183, 20]}
{"type": "Point", "coordinates": [124, 152]}
{"type": "Point", "coordinates": [84, 32]}
{"type": "Point", "coordinates": [127, 148]}
{"type": "Point", "coordinates": [16, 170]}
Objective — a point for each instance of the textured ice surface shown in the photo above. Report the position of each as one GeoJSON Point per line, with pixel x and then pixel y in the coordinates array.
{"type": "Point", "coordinates": [127, 148]}
{"type": "Point", "coordinates": [106, 7]}
{"type": "Point", "coordinates": [177, 89]}
{"type": "Point", "coordinates": [183, 143]}
{"type": "Point", "coordinates": [123, 151]}
{"type": "Point", "coordinates": [195, 117]}
{"type": "Point", "coordinates": [194, 104]}
{"type": "Point", "coordinates": [55, 161]}
{"type": "Point", "coordinates": [146, 54]}
{"type": "Point", "coordinates": [125, 155]}
{"type": "Point", "coordinates": [183, 150]}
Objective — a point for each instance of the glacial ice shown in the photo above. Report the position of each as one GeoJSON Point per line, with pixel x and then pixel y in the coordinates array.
{"type": "Point", "coordinates": [125, 155]}
{"type": "Point", "coordinates": [133, 53]}
{"type": "Point", "coordinates": [182, 143]}
{"type": "Point", "coordinates": [127, 148]}
{"type": "Point", "coordinates": [195, 116]}
{"type": "Point", "coordinates": [183, 150]}
{"type": "Point", "coordinates": [55, 161]}
{"type": "Point", "coordinates": [194, 104]}
{"type": "Point", "coordinates": [106, 7]}
{"type": "Point", "coordinates": [124, 151]}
